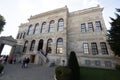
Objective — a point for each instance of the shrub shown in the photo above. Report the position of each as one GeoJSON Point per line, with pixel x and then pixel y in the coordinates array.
{"type": "Point", "coordinates": [74, 66]}
{"type": "Point", "coordinates": [63, 73]}
{"type": "Point", "coordinates": [117, 67]}
{"type": "Point", "coordinates": [1, 68]}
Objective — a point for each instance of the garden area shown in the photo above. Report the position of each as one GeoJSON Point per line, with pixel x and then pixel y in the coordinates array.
{"type": "Point", "coordinates": [74, 72]}
{"type": "Point", "coordinates": [98, 74]}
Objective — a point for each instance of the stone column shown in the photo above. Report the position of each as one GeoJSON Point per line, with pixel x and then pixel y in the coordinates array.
{"type": "Point", "coordinates": [54, 46]}
{"type": "Point", "coordinates": [12, 52]}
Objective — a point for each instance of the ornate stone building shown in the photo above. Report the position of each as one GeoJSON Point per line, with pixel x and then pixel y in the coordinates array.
{"type": "Point", "coordinates": [52, 35]}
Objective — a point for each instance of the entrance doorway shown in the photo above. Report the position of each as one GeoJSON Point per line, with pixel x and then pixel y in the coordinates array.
{"type": "Point", "coordinates": [32, 58]}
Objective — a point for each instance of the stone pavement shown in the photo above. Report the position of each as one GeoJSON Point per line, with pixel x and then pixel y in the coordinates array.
{"type": "Point", "coordinates": [33, 72]}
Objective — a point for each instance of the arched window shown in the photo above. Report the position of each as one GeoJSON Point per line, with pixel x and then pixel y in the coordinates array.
{"type": "Point", "coordinates": [60, 24]}
{"type": "Point", "coordinates": [36, 29]}
{"type": "Point", "coordinates": [25, 46]}
{"type": "Point", "coordinates": [29, 30]}
{"type": "Point", "coordinates": [18, 35]}
{"type": "Point", "coordinates": [51, 26]}
{"type": "Point", "coordinates": [21, 35]}
{"type": "Point", "coordinates": [59, 45]}
{"type": "Point", "coordinates": [32, 45]}
{"type": "Point", "coordinates": [40, 45]}
{"type": "Point", "coordinates": [49, 46]}
{"type": "Point", "coordinates": [43, 28]}
{"type": "Point", "coordinates": [24, 35]}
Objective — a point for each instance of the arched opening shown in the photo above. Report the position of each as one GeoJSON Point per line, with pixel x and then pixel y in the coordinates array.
{"type": "Point", "coordinates": [59, 46]}
{"type": "Point", "coordinates": [32, 45]}
{"type": "Point", "coordinates": [25, 46]}
{"type": "Point", "coordinates": [49, 46]}
{"type": "Point", "coordinates": [6, 50]}
{"type": "Point", "coordinates": [40, 45]}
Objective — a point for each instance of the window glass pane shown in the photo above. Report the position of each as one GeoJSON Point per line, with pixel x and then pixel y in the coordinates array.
{"type": "Point", "coordinates": [51, 28]}
{"type": "Point", "coordinates": [83, 27]}
{"type": "Point", "coordinates": [60, 25]}
{"type": "Point", "coordinates": [18, 35]}
{"type": "Point", "coordinates": [60, 45]}
{"type": "Point", "coordinates": [30, 30]}
{"type": "Point", "coordinates": [43, 27]}
{"type": "Point", "coordinates": [98, 26]}
{"type": "Point", "coordinates": [108, 64]}
{"type": "Point", "coordinates": [25, 46]}
{"type": "Point", "coordinates": [90, 27]}
{"type": "Point", "coordinates": [94, 48]}
{"type": "Point", "coordinates": [36, 30]}
{"type": "Point", "coordinates": [32, 45]}
{"type": "Point", "coordinates": [85, 48]}
{"type": "Point", "coordinates": [49, 45]}
{"type": "Point", "coordinates": [103, 48]}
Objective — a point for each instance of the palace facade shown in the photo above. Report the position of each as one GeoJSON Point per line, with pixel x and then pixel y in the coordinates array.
{"type": "Point", "coordinates": [51, 36]}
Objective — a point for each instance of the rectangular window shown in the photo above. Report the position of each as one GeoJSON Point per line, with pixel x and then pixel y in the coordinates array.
{"type": "Point", "coordinates": [83, 27]}
{"type": "Point", "coordinates": [85, 48]}
{"type": "Point", "coordinates": [98, 26]}
{"type": "Point", "coordinates": [103, 48]}
{"type": "Point", "coordinates": [108, 64]}
{"type": "Point", "coordinates": [90, 27]}
{"type": "Point", "coordinates": [94, 48]}
{"type": "Point", "coordinates": [97, 63]}
{"type": "Point", "coordinates": [87, 62]}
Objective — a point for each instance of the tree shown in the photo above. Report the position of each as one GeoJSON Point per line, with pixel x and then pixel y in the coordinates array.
{"type": "Point", "coordinates": [2, 23]}
{"type": "Point", "coordinates": [114, 34]}
{"type": "Point", "coordinates": [74, 66]}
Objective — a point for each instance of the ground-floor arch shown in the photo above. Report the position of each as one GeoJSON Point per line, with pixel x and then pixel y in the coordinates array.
{"type": "Point", "coordinates": [7, 40]}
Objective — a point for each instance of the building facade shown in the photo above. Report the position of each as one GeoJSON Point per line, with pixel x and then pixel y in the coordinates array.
{"type": "Point", "coordinates": [52, 35]}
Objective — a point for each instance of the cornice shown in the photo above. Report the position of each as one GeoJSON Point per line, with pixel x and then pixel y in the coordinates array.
{"type": "Point", "coordinates": [85, 11]}
{"type": "Point", "coordinates": [49, 13]}
{"type": "Point", "coordinates": [23, 24]}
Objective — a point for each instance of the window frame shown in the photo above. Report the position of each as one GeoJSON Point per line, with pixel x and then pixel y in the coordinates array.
{"type": "Point", "coordinates": [85, 48]}
{"type": "Point", "coordinates": [94, 48]}
{"type": "Point", "coordinates": [36, 28]}
{"type": "Point", "coordinates": [60, 24]}
{"type": "Point", "coordinates": [59, 46]}
{"type": "Point", "coordinates": [90, 27]}
{"type": "Point", "coordinates": [83, 27]}
{"type": "Point", "coordinates": [52, 26]}
{"type": "Point", "coordinates": [43, 27]}
{"type": "Point", "coordinates": [104, 49]}
{"type": "Point", "coordinates": [98, 26]}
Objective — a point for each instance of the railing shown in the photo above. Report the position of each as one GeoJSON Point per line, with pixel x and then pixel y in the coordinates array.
{"type": "Point", "coordinates": [44, 58]}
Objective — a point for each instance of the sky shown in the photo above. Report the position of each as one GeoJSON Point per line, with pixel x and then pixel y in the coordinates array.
{"type": "Point", "coordinates": [16, 12]}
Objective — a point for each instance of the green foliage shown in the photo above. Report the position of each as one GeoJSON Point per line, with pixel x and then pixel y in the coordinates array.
{"type": "Point", "coordinates": [2, 23]}
{"type": "Point", "coordinates": [114, 34]}
{"type": "Point", "coordinates": [74, 66]}
{"type": "Point", "coordinates": [63, 73]}
{"type": "Point", "coordinates": [117, 67]}
{"type": "Point", "coordinates": [87, 73]}
{"type": "Point", "coordinates": [1, 68]}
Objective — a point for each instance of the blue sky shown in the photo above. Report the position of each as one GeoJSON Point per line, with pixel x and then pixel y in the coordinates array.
{"type": "Point", "coordinates": [16, 12]}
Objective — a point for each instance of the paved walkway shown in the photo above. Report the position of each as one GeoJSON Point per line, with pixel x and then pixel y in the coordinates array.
{"type": "Point", "coordinates": [33, 72]}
